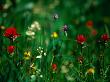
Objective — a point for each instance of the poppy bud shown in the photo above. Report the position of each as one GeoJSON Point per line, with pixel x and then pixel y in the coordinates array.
{"type": "Point", "coordinates": [10, 49]}
{"type": "Point", "coordinates": [54, 67]}
{"type": "Point", "coordinates": [89, 23]}
{"type": "Point", "coordinates": [80, 59]}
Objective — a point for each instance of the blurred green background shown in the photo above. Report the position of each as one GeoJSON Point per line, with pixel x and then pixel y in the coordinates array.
{"type": "Point", "coordinates": [88, 17]}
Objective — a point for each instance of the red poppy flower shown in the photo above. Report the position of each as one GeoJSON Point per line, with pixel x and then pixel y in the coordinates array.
{"type": "Point", "coordinates": [54, 67]}
{"type": "Point", "coordinates": [89, 23]}
{"type": "Point", "coordinates": [11, 49]}
{"type": "Point", "coordinates": [105, 37]}
{"type": "Point", "coordinates": [11, 33]}
{"type": "Point", "coordinates": [81, 39]}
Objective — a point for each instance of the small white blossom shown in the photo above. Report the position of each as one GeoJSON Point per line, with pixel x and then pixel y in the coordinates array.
{"type": "Point", "coordinates": [41, 76]}
{"type": "Point", "coordinates": [41, 51]}
{"type": "Point", "coordinates": [69, 78]}
{"type": "Point", "coordinates": [64, 69]}
{"type": "Point", "coordinates": [33, 78]}
{"type": "Point", "coordinates": [45, 54]}
{"type": "Point", "coordinates": [30, 33]}
{"type": "Point", "coordinates": [39, 57]}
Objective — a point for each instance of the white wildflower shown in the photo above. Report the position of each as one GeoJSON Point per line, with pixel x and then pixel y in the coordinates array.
{"type": "Point", "coordinates": [30, 33]}
{"type": "Point", "coordinates": [41, 76]}
{"type": "Point", "coordinates": [64, 69]}
{"type": "Point", "coordinates": [39, 57]}
{"type": "Point", "coordinates": [69, 78]}
{"type": "Point", "coordinates": [45, 54]}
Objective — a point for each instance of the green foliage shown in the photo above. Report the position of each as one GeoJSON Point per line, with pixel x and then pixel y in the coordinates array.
{"type": "Point", "coordinates": [43, 41]}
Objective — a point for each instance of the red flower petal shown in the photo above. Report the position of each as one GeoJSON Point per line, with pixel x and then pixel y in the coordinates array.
{"type": "Point", "coordinates": [81, 39]}
{"type": "Point", "coordinates": [89, 23]}
{"type": "Point", "coordinates": [11, 33]}
{"type": "Point", "coordinates": [11, 49]}
{"type": "Point", "coordinates": [54, 66]}
{"type": "Point", "coordinates": [105, 37]}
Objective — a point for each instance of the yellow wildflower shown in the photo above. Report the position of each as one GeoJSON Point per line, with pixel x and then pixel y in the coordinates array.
{"type": "Point", "coordinates": [90, 71]}
{"type": "Point", "coordinates": [33, 68]}
{"type": "Point", "coordinates": [27, 55]}
{"type": "Point", "coordinates": [54, 35]}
